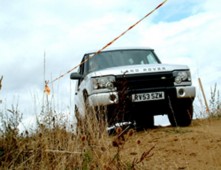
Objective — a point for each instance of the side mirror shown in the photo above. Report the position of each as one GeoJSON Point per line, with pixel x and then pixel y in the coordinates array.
{"type": "Point", "coordinates": [75, 76]}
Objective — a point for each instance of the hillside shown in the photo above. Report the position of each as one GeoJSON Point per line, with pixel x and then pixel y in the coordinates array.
{"type": "Point", "coordinates": [194, 147]}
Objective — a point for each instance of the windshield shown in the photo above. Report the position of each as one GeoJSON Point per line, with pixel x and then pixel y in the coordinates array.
{"type": "Point", "coordinates": [117, 58]}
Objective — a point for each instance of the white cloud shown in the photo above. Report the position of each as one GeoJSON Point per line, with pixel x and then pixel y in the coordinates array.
{"type": "Point", "coordinates": [66, 29]}
{"type": "Point", "coordinates": [193, 41]}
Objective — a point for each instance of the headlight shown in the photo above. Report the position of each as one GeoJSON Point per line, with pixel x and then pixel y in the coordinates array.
{"type": "Point", "coordinates": [106, 82]}
{"type": "Point", "coordinates": [182, 77]}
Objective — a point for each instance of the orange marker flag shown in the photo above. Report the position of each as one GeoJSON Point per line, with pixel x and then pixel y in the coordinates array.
{"type": "Point", "coordinates": [47, 89]}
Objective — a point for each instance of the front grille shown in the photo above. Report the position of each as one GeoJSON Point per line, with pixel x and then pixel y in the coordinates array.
{"type": "Point", "coordinates": [144, 81]}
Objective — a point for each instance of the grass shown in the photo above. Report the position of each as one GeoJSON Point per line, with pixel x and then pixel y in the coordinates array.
{"type": "Point", "coordinates": [55, 145]}
{"type": "Point", "coordinates": [214, 103]}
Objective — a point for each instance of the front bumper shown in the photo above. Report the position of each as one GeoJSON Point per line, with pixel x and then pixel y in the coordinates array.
{"type": "Point", "coordinates": [103, 99]}
{"type": "Point", "coordinates": [185, 92]}
{"type": "Point", "coordinates": [109, 98]}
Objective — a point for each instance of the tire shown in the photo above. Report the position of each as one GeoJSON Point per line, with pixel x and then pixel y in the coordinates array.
{"type": "Point", "coordinates": [181, 116]}
{"type": "Point", "coordinates": [95, 115]}
{"type": "Point", "coordinates": [88, 109]}
{"type": "Point", "coordinates": [79, 123]}
{"type": "Point", "coordinates": [144, 122]}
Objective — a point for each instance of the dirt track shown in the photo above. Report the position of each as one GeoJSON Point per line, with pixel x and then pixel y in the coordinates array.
{"type": "Point", "coordinates": [194, 147]}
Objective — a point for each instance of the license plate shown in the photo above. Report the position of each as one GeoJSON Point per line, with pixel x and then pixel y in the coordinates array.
{"type": "Point", "coordinates": [148, 96]}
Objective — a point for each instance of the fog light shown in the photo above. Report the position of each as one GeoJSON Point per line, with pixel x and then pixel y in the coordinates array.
{"type": "Point", "coordinates": [113, 98]}
{"type": "Point", "coordinates": [181, 92]}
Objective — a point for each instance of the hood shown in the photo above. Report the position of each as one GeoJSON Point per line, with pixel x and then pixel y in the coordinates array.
{"type": "Point", "coordinates": [138, 69]}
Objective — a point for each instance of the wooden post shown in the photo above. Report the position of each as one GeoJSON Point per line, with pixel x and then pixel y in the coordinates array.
{"type": "Point", "coordinates": [1, 86]}
{"type": "Point", "coordinates": [204, 96]}
{"type": "Point", "coordinates": [1, 82]}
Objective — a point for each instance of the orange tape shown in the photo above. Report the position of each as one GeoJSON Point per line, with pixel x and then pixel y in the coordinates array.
{"type": "Point", "coordinates": [108, 44]}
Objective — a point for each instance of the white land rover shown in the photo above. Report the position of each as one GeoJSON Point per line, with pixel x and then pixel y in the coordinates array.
{"type": "Point", "coordinates": [131, 85]}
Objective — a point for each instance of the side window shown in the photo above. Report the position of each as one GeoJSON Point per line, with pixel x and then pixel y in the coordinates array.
{"type": "Point", "coordinates": [78, 81]}
{"type": "Point", "coordinates": [81, 71]}
{"type": "Point", "coordinates": [81, 68]}
{"type": "Point", "coordinates": [85, 65]}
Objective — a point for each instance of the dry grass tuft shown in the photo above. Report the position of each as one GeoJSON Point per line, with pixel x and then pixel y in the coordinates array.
{"type": "Point", "coordinates": [54, 146]}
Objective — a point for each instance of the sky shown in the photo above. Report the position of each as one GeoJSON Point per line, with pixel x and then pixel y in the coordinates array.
{"type": "Point", "coordinates": [42, 39]}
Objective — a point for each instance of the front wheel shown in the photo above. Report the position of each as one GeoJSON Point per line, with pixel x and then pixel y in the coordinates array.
{"type": "Point", "coordinates": [181, 116]}
{"type": "Point", "coordinates": [144, 122]}
{"type": "Point", "coordinates": [80, 123]}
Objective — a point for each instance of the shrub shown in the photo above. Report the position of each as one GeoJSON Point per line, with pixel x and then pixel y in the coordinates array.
{"type": "Point", "coordinates": [214, 103]}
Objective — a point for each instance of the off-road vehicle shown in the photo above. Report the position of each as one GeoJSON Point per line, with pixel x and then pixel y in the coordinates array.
{"type": "Point", "coordinates": [132, 85]}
